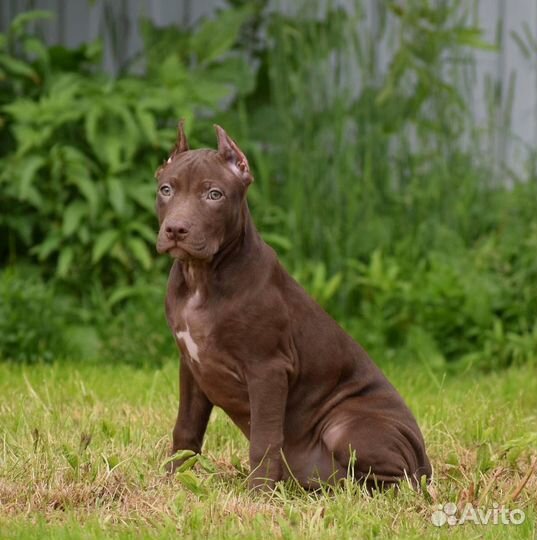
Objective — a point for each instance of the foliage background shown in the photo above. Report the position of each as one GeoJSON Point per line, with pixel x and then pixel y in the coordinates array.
{"type": "Point", "coordinates": [373, 195]}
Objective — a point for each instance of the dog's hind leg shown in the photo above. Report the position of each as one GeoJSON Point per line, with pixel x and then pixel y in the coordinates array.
{"type": "Point", "coordinates": [375, 450]}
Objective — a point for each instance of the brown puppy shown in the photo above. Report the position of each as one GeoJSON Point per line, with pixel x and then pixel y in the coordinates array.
{"type": "Point", "coordinates": [306, 395]}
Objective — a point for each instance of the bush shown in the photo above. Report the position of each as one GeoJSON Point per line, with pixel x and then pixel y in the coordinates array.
{"type": "Point", "coordinates": [473, 305]}
{"type": "Point", "coordinates": [40, 324]}
{"type": "Point", "coordinates": [80, 148]}
{"type": "Point", "coordinates": [367, 183]}
{"type": "Point", "coordinates": [33, 319]}
{"type": "Point", "coordinates": [131, 323]}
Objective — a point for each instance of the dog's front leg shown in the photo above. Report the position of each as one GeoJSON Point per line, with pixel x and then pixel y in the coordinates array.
{"type": "Point", "coordinates": [267, 389]}
{"type": "Point", "coordinates": [194, 411]}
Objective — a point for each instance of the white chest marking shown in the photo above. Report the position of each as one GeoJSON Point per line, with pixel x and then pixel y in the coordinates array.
{"type": "Point", "coordinates": [190, 344]}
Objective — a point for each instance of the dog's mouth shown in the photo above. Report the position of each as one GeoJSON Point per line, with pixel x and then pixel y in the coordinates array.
{"type": "Point", "coordinates": [182, 250]}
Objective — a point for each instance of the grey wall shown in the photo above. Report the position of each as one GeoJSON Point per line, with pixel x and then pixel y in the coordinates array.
{"type": "Point", "coordinates": [512, 113]}
{"type": "Point", "coordinates": [79, 21]}
{"type": "Point", "coordinates": [512, 75]}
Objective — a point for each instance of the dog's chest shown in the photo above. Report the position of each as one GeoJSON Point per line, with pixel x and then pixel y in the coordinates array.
{"type": "Point", "coordinates": [193, 328]}
{"type": "Point", "coordinates": [210, 355]}
{"type": "Point", "coordinates": [198, 330]}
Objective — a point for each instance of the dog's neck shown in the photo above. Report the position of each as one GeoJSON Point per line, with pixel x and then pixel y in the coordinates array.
{"type": "Point", "coordinates": [205, 276]}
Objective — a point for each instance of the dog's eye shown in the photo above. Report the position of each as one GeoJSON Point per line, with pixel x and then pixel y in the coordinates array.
{"type": "Point", "coordinates": [214, 194]}
{"type": "Point", "coordinates": [165, 190]}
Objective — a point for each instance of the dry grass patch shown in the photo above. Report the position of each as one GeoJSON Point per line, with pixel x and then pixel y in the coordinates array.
{"type": "Point", "coordinates": [81, 450]}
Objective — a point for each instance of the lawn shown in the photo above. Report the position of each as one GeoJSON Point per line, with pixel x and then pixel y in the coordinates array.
{"type": "Point", "coordinates": [81, 449]}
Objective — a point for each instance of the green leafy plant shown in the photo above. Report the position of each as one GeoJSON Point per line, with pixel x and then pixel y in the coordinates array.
{"type": "Point", "coordinates": [78, 193]}
{"type": "Point", "coordinates": [33, 319]}
{"type": "Point", "coordinates": [367, 181]}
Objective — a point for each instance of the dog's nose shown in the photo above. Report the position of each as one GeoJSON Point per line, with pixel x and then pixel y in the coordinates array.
{"type": "Point", "coordinates": [176, 231]}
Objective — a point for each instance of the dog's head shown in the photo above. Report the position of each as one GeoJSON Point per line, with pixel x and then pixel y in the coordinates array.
{"type": "Point", "coordinates": [201, 197]}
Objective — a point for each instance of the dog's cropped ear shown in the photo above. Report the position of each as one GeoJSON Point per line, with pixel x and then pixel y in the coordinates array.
{"type": "Point", "coordinates": [181, 144]}
{"type": "Point", "coordinates": [233, 155]}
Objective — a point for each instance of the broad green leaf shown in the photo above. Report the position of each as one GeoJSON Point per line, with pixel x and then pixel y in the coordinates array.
{"type": "Point", "coordinates": [94, 50]}
{"type": "Point", "coordinates": [103, 244]}
{"type": "Point", "coordinates": [143, 194]}
{"type": "Point", "coordinates": [146, 232]}
{"type": "Point", "coordinates": [18, 67]}
{"type": "Point", "coordinates": [139, 249]}
{"type": "Point", "coordinates": [181, 454]}
{"type": "Point", "coordinates": [26, 175]}
{"type": "Point", "coordinates": [319, 278]}
{"type": "Point", "coordinates": [119, 253]}
{"type": "Point", "coordinates": [29, 138]}
{"type": "Point", "coordinates": [91, 126]}
{"type": "Point", "coordinates": [148, 124]}
{"type": "Point", "coordinates": [112, 132]}
{"type": "Point", "coordinates": [122, 293]}
{"type": "Point", "coordinates": [173, 74]}
{"type": "Point", "coordinates": [34, 46]}
{"type": "Point", "coordinates": [331, 287]}
{"type": "Point", "coordinates": [235, 71]}
{"type": "Point", "coordinates": [50, 244]}
{"type": "Point", "coordinates": [210, 92]}
{"type": "Point", "coordinates": [277, 241]}
{"type": "Point", "coordinates": [23, 110]}
{"type": "Point", "coordinates": [191, 482]}
{"type": "Point", "coordinates": [215, 37]}
{"type": "Point", "coordinates": [206, 464]}
{"type": "Point", "coordinates": [124, 131]}
{"type": "Point", "coordinates": [84, 234]}
{"type": "Point", "coordinates": [472, 37]}
{"type": "Point", "coordinates": [72, 217]}
{"type": "Point", "coordinates": [111, 153]}
{"type": "Point", "coordinates": [116, 194]}
{"type": "Point", "coordinates": [64, 262]}
{"type": "Point", "coordinates": [188, 464]}
{"type": "Point", "coordinates": [89, 190]}
{"type": "Point", "coordinates": [155, 103]}
{"type": "Point", "coordinates": [19, 22]}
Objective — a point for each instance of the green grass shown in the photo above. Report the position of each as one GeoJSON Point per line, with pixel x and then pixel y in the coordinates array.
{"type": "Point", "coordinates": [81, 448]}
